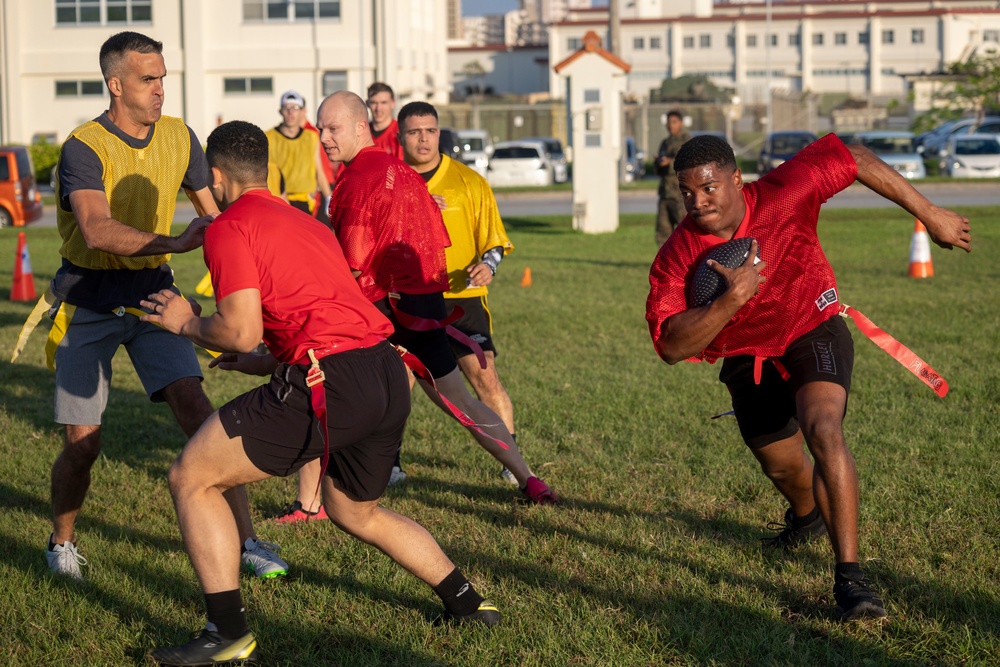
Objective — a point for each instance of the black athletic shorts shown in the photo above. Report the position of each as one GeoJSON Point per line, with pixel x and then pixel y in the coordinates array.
{"type": "Point", "coordinates": [430, 347]}
{"type": "Point", "coordinates": [475, 323]}
{"type": "Point", "coordinates": [367, 402]}
{"type": "Point", "coordinates": [766, 412]}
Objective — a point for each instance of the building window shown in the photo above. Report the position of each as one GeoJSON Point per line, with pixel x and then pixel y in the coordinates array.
{"type": "Point", "coordinates": [774, 40]}
{"type": "Point", "coordinates": [592, 140]}
{"type": "Point", "coordinates": [248, 85]}
{"type": "Point", "coordinates": [991, 36]}
{"type": "Point", "coordinates": [592, 95]}
{"type": "Point", "coordinates": [840, 38]}
{"type": "Point", "coordinates": [730, 40]}
{"type": "Point", "coordinates": [705, 41]}
{"type": "Point", "coordinates": [689, 42]}
{"type": "Point", "coordinates": [751, 41]}
{"type": "Point", "coordinates": [794, 39]}
{"type": "Point", "coordinates": [79, 88]}
{"type": "Point", "coordinates": [863, 37]}
{"type": "Point", "coordinates": [817, 39]}
{"type": "Point", "coordinates": [573, 44]}
{"type": "Point", "coordinates": [888, 37]}
{"type": "Point", "coordinates": [917, 36]}
{"type": "Point", "coordinates": [290, 10]}
{"type": "Point", "coordinates": [103, 12]}
{"type": "Point", "coordinates": [655, 43]}
{"type": "Point", "coordinates": [639, 43]}
{"type": "Point", "coordinates": [334, 82]}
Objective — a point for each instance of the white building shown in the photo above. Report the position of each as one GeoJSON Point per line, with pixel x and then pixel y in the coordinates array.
{"type": "Point", "coordinates": [861, 47]}
{"type": "Point", "coordinates": [226, 59]}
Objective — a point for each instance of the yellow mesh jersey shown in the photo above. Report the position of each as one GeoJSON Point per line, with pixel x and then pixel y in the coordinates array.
{"type": "Point", "coordinates": [472, 219]}
{"type": "Point", "coordinates": [141, 184]}
{"type": "Point", "coordinates": [296, 158]}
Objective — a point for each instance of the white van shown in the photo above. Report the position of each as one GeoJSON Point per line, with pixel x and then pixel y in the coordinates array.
{"type": "Point", "coordinates": [478, 147]}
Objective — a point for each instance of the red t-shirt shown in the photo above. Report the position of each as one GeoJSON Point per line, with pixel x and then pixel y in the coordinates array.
{"type": "Point", "coordinates": [308, 296]}
{"type": "Point", "coordinates": [800, 292]}
{"type": "Point", "coordinates": [388, 140]}
{"type": "Point", "coordinates": [390, 228]}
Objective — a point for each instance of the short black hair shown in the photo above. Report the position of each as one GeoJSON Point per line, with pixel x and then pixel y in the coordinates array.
{"type": "Point", "coordinates": [379, 87]}
{"type": "Point", "coordinates": [415, 109]}
{"type": "Point", "coordinates": [239, 149]}
{"type": "Point", "coordinates": [706, 149]}
{"type": "Point", "coordinates": [676, 114]}
{"type": "Point", "coordinates": [115, 48]}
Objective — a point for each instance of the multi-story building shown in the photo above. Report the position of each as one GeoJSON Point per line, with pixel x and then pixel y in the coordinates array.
{"type": "Point", "coordinates": [861, 47]}
{"type": "Point", "coordinates": [226, 59]}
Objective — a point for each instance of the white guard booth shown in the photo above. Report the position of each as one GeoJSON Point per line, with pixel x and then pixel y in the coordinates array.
{"type": "Point", "coordinates": [595, 82]}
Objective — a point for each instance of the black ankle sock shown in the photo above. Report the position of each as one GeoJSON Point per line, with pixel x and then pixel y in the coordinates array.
{"type": "Point", "coordinates": [458, 595]}
{"type": "Point", "coordinates": [225, 610]}
{"type": "Point", "coordinates": [800, 521]}
{"type": "Point", "coordinates": [848, 572]}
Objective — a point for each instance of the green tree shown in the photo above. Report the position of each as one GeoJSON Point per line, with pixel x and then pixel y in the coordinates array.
{"type": "Point", "coordinates": [975, 86]}
{"type": "Point", "coordinates": [44, 155]}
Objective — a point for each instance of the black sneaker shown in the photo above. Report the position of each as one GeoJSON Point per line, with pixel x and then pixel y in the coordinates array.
{"type": "Point", "coordinates": [208, 648]}
{"type": "Point", "coordinates": [855, 600]}
{"type": "Point", "coordinates": [790, 536]}
{"type": "Point", "coordinates": [487, 614]}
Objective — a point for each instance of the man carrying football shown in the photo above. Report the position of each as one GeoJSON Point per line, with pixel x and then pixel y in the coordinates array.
{"type": "Point", "coordinates": [787, 358]}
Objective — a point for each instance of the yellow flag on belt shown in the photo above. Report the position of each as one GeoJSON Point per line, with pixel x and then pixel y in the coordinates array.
{"type": "Point", "coordinates": [204, 288]}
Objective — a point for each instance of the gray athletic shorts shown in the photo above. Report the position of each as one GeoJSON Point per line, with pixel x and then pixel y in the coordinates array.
{"type": "Point", "coordinates": [83, 362]}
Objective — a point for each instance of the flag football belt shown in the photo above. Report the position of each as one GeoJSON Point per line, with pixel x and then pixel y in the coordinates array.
{"type": "Point", "coordinates": [61, 314]}
{"type": "Point", "coordinates": [897, 351]}
{"type": "Point", "coordinates": [315, 377]}
{"type": "Point", "coordinates": [893, 347]}
{"type": "Point", "coordinates": [416, 323]}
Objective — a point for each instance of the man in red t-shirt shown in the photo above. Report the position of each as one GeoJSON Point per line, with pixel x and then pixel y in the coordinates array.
{"type": "Point", "coordinates": [788, 359]}
{"type": "Point", "coordinates": [279, 274]}
{"type": "Point", "coordinates": [394, 240]}
{"type": "Point", "coordinates": [384, 128]}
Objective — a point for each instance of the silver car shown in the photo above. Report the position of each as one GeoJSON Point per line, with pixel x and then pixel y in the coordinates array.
{"type": "Point", "coordinates": [519, 163]}
{"type": "Point", "coordinates": [971, 156]}
{"type": "Point", "coordinates": [895, 149]}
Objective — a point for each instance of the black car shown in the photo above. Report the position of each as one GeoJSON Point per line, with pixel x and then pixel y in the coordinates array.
{"type": "Point", "coordinates": [780, 147]}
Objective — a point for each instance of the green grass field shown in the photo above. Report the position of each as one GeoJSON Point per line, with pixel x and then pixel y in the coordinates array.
{"type": "Point", "coordinates": [653, 556]}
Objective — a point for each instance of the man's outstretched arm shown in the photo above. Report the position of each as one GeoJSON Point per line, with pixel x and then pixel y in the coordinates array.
{"type": "Point", "coordinates": [946, 228]}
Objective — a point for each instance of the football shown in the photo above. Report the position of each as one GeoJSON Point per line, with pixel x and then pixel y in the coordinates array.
{"type": "Point", "coordinates": [707, 285]}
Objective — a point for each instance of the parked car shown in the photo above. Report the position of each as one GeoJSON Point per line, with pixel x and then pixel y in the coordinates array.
{"type": "Point", "coordinates": [557, 158]}
{"type": "Point", "coordinates": [971, 156]}
{"type": "Point", "coordinates": [449, 144]}
{"type": "Point", "coordinates": [478, 147]}
{"type": "Point", "coordinates": [20, 201]}
{"type": "Point", "coordinates": [896, 149]}
{"type": "Point", "coordinates": [519, 163]}
{"type": "Point", "coordinates": [933, 144]}
{"type": "Point", "coordinates": [781, 146]}
{"type": "Point", "coordinates": [635, 161]}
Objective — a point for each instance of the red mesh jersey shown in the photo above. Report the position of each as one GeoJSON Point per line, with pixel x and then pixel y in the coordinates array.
{"type": "Point", "coordinates": [782, 211]}
{"type": "Point", "coordinates": [388, 140]}
{"type": "Point", "coordinates": [390, 228]}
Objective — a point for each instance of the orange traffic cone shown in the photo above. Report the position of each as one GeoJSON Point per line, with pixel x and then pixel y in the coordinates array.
{"type": "Point", "coordinates": [23, 288]}
{"type": "Point", "coordinates": [920, 253]}
{"type": "Point", "coordinates": [526, 278]}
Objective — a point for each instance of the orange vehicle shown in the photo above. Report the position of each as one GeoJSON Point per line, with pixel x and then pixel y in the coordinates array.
{"type": "Point", "coordinates": [20, 201]}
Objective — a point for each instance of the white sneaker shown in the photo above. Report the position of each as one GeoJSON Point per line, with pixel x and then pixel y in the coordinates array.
{"type": "Point", "coordinates": [397, 476]}
{"type": "Point", "coordinates": [509, 476]}
{"type": "Point", "coordinates": [65, 560]}
{"type": "Point", "coordinates": [261, 558]}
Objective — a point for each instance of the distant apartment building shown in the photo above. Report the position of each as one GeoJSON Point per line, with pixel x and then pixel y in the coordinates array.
{"type": "Point", "coordinates": [859, 47]}
{"type": "Point", "coordinates": [226, 59]}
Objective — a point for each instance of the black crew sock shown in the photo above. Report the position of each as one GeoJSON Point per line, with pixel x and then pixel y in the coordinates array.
{"type": "Point", "coordinates": [799, 521]}
{"type": "Point", "coordinates": [397, 463]}
{"type": "Point", "coordinates": [458, 595]}
{"type": "Point", "coordinates": [225, 610]}
{"type": "Point", "coordinates": [848, 572]}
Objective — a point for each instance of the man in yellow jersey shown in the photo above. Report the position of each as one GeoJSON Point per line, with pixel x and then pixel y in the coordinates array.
{"type": "Point", "coordinates": [295, 151]}
{"type": "Point", "coordinates": [118, 177]}
{"type": "Point", "coordinates": [478, 243]}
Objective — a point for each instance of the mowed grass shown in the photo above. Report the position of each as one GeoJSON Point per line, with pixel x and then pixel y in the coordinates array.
{"type": "Point", "coordinates": [653, 556]}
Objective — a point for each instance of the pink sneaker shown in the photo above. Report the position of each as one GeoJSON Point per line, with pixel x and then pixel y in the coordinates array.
{"type": "Point", "coordinates": [538, 491]}
{"type": "Point", "coordinates": [294, 514]}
